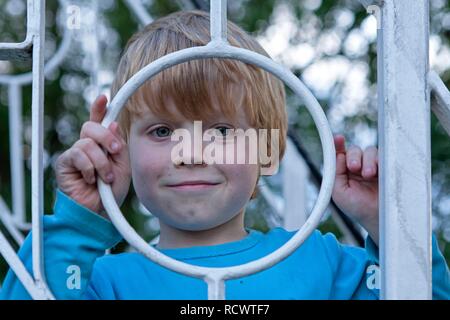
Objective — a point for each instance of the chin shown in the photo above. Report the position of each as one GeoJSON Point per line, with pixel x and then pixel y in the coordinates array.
{"type": "Point", "coordinates": [195, 224]}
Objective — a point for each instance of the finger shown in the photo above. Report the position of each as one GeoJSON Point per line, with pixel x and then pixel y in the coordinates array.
{"type": "Point", "coordinates": [98, 158]}
{"type": "Point", "coordinates": [98, 109]}
{"type": "Point", "coordinates": [341, 180]}
{"type": "Point", "coordinates": [341, 167]}
{"type": "Point", "coordinates": [101, 136]}
{"type": "Point", "coordinates": [370, 159]}
{"type": "Point", "coordinates": [122, 156]}
{"type": "Point", "coordinates": [354, 155]}
{"type": "Point", "coordinates": [115, 129]}
{"type": "Point", "coordinates": [339, 142]}
{"type": "Point", "coordinates": [81, 162]}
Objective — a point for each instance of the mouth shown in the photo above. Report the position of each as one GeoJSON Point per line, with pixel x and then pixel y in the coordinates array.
{"type": "Point", "coordinates": [193, 185]}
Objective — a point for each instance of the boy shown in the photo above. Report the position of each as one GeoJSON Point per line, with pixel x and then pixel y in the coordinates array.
{"type": "Point", "coordinates": [200, 206]}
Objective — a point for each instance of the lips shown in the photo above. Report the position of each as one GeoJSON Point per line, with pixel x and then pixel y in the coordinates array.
{"type": "Point", "coordinates": [193, 183]}
{"type": "Point", "coordinates": [193, 186]}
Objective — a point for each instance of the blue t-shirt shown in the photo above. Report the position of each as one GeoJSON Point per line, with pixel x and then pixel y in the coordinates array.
{"type": "Point", "coordinates": [75, 240]}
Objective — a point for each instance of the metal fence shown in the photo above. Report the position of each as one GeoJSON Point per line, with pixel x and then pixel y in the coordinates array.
{"type": "Point", "coordinates": [404, 86]}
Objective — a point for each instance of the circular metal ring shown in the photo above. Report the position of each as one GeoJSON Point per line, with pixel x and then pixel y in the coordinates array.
{"type": "Point", "coordinates": [223, 50]}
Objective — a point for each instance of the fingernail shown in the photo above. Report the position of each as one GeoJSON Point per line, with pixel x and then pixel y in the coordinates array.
{"type": "Point", "coordinates": [114, 146]}
{"type": "Point", "coordinates": [110, 177]}
{"type": "Point", "coordinates": [354, 163]}
{"type": "Point", "coordinates": [368, 171]}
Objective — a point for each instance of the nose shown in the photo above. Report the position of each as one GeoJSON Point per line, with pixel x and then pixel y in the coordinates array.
{"type": "Point", "coordinates": [192, 146]}
{"type": "Point", "coordinates": [183, 164]}
{"type": "Point", "coordinates": [188, 161]}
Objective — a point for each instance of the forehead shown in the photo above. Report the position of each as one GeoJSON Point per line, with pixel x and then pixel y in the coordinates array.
{"type": "Point", "coordinates": [214, 110]}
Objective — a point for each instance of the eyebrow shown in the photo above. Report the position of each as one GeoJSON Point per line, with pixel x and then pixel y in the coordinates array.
{"type": "Point", "coordinates": [142, 122]}
{"type": "Point", "coordinates": [143, 118]}
{"type": "Point", "coordinates": [147, 117]}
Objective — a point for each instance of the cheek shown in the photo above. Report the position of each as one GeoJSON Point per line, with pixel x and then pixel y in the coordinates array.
{"type": "Point", "coordinates": [147, 164]}
{"type": "Point", "coordinates": [241, 178]}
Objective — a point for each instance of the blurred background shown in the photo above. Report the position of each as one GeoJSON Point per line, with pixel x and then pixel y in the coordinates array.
{"type": "Point", "coordinates": [329, 44]}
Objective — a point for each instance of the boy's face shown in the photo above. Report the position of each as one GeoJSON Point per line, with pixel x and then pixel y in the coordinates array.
{"type": "Point", "coordinates": [155, 174]}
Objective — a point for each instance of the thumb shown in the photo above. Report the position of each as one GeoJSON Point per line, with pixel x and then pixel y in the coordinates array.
{"type": "Point", "coordinates": [98, 109]}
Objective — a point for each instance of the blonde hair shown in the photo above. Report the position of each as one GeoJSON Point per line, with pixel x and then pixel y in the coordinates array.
{"type": "Point", "coordinates": [190, 84]}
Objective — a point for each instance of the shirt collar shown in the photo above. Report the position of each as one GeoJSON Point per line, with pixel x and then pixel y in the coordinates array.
{"type": "Point", "coordinates": [198, 252]}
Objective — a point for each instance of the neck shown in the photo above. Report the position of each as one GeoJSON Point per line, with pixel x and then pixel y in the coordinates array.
{"type": "Point", "coordinates": [232, 230]}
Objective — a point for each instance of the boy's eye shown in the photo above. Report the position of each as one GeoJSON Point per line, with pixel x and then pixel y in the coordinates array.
{"type": "Point", "coordinates": [224, 130]}
{"type": "Point", "coordinates": [161, 132]}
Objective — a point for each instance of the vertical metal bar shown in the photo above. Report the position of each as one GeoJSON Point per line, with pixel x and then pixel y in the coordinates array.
{"type": "Point", "coordinates": [140, 11]}
{"type": "Point", "coordinates": [218, 20]}
{"type": "Point", "coordinates": [186, 4]}
{"type": "Point", "coordinates": [94, 52]}
{"type": "Point", "coordinates": [404, 132]}
{"type": "Point", "coordinates": [295, 176]}
{"type": "Point", "coordinates": [216, 287]}
{"type": "Point", "coordinates": [37, 167]}
{"type": "Point", "coordinates": [16, 155]}
{"type": "Point", "coordinates": [30, 20]}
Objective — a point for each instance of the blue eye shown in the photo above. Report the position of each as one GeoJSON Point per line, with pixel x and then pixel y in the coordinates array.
{"type": "Point", "coordinates": [225, 131]}
{"type": "Point", "coordinates": [161, 132]}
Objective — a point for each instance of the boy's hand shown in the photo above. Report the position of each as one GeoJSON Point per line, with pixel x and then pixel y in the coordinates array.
{"type": "Point", "coordinates": [77, 167]}
{"type": "Point", "coordinates": [355, 190]}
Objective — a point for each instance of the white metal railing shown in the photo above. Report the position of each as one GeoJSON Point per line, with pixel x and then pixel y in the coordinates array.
{"type": "Point", "coordinates": [35, 37]}
{"type": "Point", "coordinates": [289, 209]}
{"type": "Point", "coordinates": [21, 50]}
{"type": "Point", "coordinates": [404, 158]}
{"type": "Point", "coordinates": [404, 105]}
{"type": "Point", "coordinates": [139, 11]}
{"type": "Point", "coordinates": [219, 48]}
{"type": "Point", "coordinates": [17, 218]}
{"type": "Point", "coordinates": [441, 103]}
